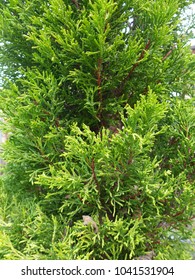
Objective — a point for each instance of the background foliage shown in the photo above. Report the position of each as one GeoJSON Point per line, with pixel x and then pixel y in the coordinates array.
{"type": "Point", "coordinates": [94, 103]}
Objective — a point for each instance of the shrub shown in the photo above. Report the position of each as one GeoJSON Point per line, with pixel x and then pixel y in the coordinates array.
{"type": "Point", "coordinates": [100, 155]}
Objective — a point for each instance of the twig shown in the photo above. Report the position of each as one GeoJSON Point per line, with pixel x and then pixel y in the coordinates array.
{"type": "Point", "coordinates": [76, 4]}
{"type": "Point", "coordinates": [167, 54]}
{"type": "Point", "coordinates": [94, 174]}
{"type": "Point", "coordinates": [179, 213]}
{"type": "Point", "coordinates": [99, 81]}
{"type": "Point", "coordinates": [133, 68]}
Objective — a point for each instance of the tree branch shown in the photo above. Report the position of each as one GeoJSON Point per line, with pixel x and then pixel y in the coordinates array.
{"type": "Point", "coordinates": [167, 54]}
{"type": "Point", "coordinates": [94, 175]}
{"type": "Point", "coordinates": [99, 81]}
{"type": "Point", "coordinates": [76, 4]}
{"type": "Point", "coordinates": [119, 90]}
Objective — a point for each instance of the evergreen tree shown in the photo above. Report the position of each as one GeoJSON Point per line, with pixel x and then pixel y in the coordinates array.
{"type": "Point", "coordinates": [101, 139]}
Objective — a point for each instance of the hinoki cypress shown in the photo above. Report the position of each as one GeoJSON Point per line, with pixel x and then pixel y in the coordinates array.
{"type": "Point", "coordinates": [93, 101]}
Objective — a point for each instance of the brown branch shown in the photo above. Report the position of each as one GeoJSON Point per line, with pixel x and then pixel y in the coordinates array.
{"type": "Point", "coordinates": [140, 58]}
{"type": "Point", "coordinates": [57, 122]}
{"type": "Point", "coordinates": [191, 218]}
{"type": "Point", "coordinates": [178, 213]}
{"type": "Point", "coordinates": [94, 175]}
{"type": "Point", "coordinates": [76, 4]}
{"type": "Point", "coordinates": [99, 81]}
{"type": "Point", "coordinates": [168, 54]}
{"type": "Point", "coordinates": [119, 90]}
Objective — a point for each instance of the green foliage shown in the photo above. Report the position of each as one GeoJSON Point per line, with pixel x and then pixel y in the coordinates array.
{"type": "Point", "coordinates": [94, 104]}
{"type": "Point", "coordinates": [26, 232]}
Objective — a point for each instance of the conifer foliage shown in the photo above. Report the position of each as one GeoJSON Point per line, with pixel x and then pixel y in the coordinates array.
{"type": "Point", "coordinates": [100, 157]}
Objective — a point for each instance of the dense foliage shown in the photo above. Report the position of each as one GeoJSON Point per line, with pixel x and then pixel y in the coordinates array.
{"type": "Point", "coordinates": [94, 103]}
